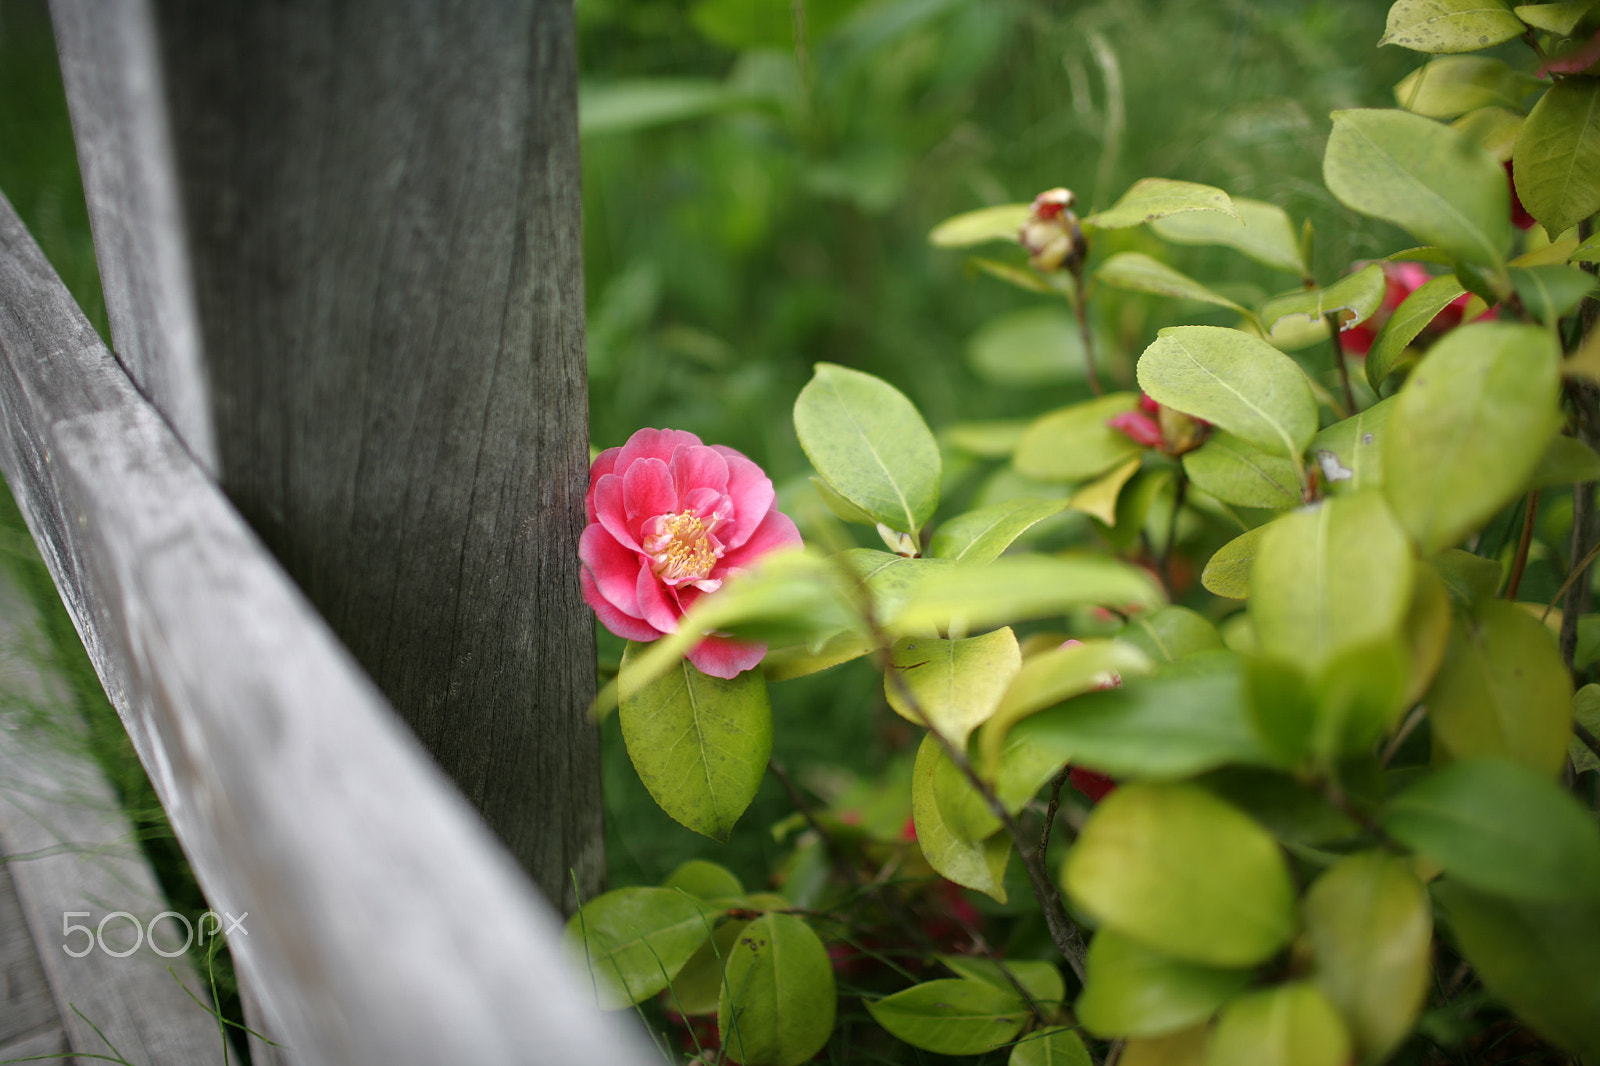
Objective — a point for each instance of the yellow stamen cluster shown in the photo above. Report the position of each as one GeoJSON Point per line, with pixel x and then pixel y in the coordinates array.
{"type": "Point", "coordinates": [681, 548]}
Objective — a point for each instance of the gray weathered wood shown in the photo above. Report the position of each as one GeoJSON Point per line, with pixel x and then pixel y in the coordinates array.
{"type": "Point", "coordinates": [341, 251]}
{"type": "Point", "coordinates": [383, 924]}
{"type": "Point", "coordinates": [26, 1007]}
{"type": "Point", "coordinates": [68, 847]}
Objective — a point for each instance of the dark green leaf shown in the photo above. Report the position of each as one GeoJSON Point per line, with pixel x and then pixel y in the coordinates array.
{"type": "Point", "coordinates": [1041, 979]}
{"type": "Point", "coordinates": [1050, 1047]}
{"type": "Point", "coordinates": [1567, 461]}
{"type": "Point", "coordinates": [953, 1016]}
{"type": "Point", "coordinates": [1236, 471]}
{"type": "Point", "coordinates": [1470, 579]}
{"type": "Point", "coordinates": [1557, 159]}
{"type": "Point", "coordinates": [1409, 319]}
{"type": "Point", "coordinates": [778, 997]}
{"type": "Point", "coordinates": [1550, 293]}
{"type": "Point", "coordinates": [635, 940]}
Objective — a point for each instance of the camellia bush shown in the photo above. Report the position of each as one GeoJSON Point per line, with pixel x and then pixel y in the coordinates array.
{"type": "Point", "coordinates": [1332, 804]}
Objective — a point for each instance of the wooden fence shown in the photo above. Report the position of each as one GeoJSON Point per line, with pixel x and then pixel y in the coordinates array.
{"type": "Point", "coordinates": [335, 472]}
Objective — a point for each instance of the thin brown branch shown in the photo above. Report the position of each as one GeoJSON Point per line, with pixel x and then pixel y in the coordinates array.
{"type": "Point", "coordinates": [1521, 562]}
{"type": "Point", "coordinates": [1080, 308]}
{"type": "Point", "coordinates": [1339, 362]}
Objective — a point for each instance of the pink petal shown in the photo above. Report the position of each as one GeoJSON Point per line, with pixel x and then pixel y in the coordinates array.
{"type": "Point", "coordinates": [613, 568]}
{"type": "Point", "coordinates": [1148, 404]}
{"type": "Point", "coordinates": [613, 619]}
{"type": "Point", "coordinates": [647, 491]}
{"type": "Point", "coordinates": [726, 658]}
{"type": "Point", "coordinates": [610, 511]}
{"type": "Point", "coordinates": [603, 464]}
{"type": "Point", "coordinates": [657, 603]}
{"type": "Point", "coordinates": [653, 444]}
{"type": "Point", "coordinates": [698, 467]}
{"type": "Point", "coordinates": [1138, 427]}
{"type": "Point", "coordinates": [775, 533]}
{"type": "Point", "coordinates": [1573, 62]}
{"type": "Point", "coordinates": [752, 494]}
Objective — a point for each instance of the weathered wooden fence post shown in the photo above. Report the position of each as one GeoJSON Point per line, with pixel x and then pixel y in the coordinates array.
{"type": "Point", "coordinates": [340, 249]}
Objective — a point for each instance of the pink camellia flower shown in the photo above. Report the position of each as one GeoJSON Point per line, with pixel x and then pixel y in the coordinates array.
{"type": "Point", "coordinates": [1401, 280]}
{"type": "Point", "coordinates": [670, 519]}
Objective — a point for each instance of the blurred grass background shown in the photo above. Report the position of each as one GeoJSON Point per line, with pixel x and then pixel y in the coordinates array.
{"type": "Point", "coordinates": [754, 205]}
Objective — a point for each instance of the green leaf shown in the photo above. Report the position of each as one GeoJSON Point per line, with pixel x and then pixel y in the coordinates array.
{"type": "Point", "coordinates": [839, 507]}
{"type": "Point", "coordinates": [745, 24]}
{"type": "Point", "coordinates": [953, 1016]}
{"type": "Point", "coordinates": [1428, 179]}
{"type": "Point", "coordinates": [700, 744]}
{"type": "Point", "coordinates": [1550, 293]}
{"type": "Point", "coordinates": [1074, 443]}
{"type": "Point", "coordinates": [1287, 1025]}
{"type": "Point", "coordinates": [1537, 958]}
{"type": "Point", "coordinates": [1184, 1048]}
{"type": "Point", "coordinates": [1494, 129]}
{"type": "Point", "coordinates": [981, 536]}
{"type": "Point", "coordinates": [1262, 231]}
{"type": "Point", "coordinates": [976, 864]}
{"type": "Point", "coordinates": [1502, 690]}
{"type": "Point", "coordinates": [1170, 634]}
{"type": "Point", "coordinates": [1041, 979]}
{"type": "Point", "coordinates": [1350, 452]}
{"type": "Point", "coordinates": [697, 989]}
{"type": "Point", "coordinates": [1566, 462]}
{"type": "Point", "coordinates": [704, 880]}
{"type": "Point", "coordinates": [1100, 497]}
{"type": "Point", "coordinates": [1235, 381]}
{"type": "Point", "coordinates": [1556, 163]}
{"type": "Point", "coordinates": [1470, 579]}
{"type": "Point", "coordinates": [1051, 677]}
{"type": "Point", "coordinates": [1329, 578]}
{"type": "Point", "coordinates": [1360, 295]}
{"type": "Point", "coordinates": [625, 106]}
{"type": "Point", "coordinates": [1228, 571]}
{"type": "Point", "coordinates": [955, 684]}
{"type": "Point", "coordinates": [1057, 1046]}
{"type": "Point", "coordinates": [998, 223]}
{"type": "Point", "coordinates": [890, 579]}
{"type": "Point", "coordinates": [1586, 711]}
{"type": "Point", "coordinates": [1133, 991]}
{"type": "Point", "coordinates": [1017, 588]}
{"type": "Point", "coordinates": [635, 940]}
{"type": "Point", "coordinates": [1151, 198]}
{"type": "Point", "coordinates": [1022, 277]}
{"type": "Point", "coordinates": [1587, 252]}
{"type": "Point", "coordinates": [1236, 471]}
{"type": "Point", "coordinates": [1501, 828]}
{"type": "Point", "coordinates": [1180, 871]}
{"type": "Point", "coordinates": [1469, 428]}
{"type": "Point", "coordinates": [1413, 315]}
{"type": "Point", "coordinates": [785, 664]}
{"type": "Point", "coordinates": [1291, 811]}
{"type": "Point", "coordinates": [1370, 926]}
{"type": "Point", "coordinates": [1029, 347]}
{"type": "Point", "coordinates": [778, 997]}
{"type": "Point", "coordinates": [1446, 88]}
{"type": "Point", "coordinates": [1450, 25]}
{"type": "Point", "coordinates": [867, 441]}
{"type": "Point", "coordinates": [1559, 18]}
{"type": "Point", "coordinates": [1137, 272]}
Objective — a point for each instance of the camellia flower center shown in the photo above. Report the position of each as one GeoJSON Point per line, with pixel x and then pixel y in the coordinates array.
{"type": "Point", "coordinates": [683, 549]}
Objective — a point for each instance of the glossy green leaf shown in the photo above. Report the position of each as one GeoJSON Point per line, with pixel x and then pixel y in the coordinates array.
{"type": "Point", "coordinates": [1287, 1025]}
{"type": "Point", "coordinates": [697, 989]}
{"type": "Point", "coordinates": [1550, 293]}
{"type": "Point", "coordinates": [998, 223]}
{"type": "Point", "coordinates": [1428, 179]}
{"type": "Point", "coordinates": [1470, 579]}
{"type": "Point", "coordinates": [1134, 991]}
{"type": "Point", "coordinates": [704, 880]}
{"type": "Point", "coordinates": [1074, 443]}
{"type": "Point", "coordinates": [981, 536]}
{"type": "Point", "coordinates": [867, 441]}
{"type": "Point", "coordinates": [1350, 452]}
{"type": "Point", "coordinates": [1450, 25]}
{"type": "Point", "coordinates": [1586, 712]}
{"type": "Point", "coordinates": [1469, 428]}
{"type": "Point", "coordinates": [1236, 471]}
{"type": "Point", "coordinates": [635, 940]}
{"type": "Point", "coordinates": [1262, 231]}
{"type": "Point", "coordinates": [1494, 129]}
{"type": "Point", "coordinates": [1175, 868]}
{"type": "Point", "coordinates": [1235, 381]}
{"type": "Point", "coordinates": [1049, 678]}
{"type": "Point", "coordinates": [1028, 347]}
{"type": "Point", "coordinates": [1056, 1046]}
{"type": "Point", "coordinates": [890, 579]}
{"type": "Point", "coordinates": [1369, 924]}
{"type": "Point", "coordinates": [1501, 828]}
{"type": "Point", "coordinates": [778, 996]}
{"type": "Point", "coordinates": [1587, 252]}
{"type": "Point", "coordinates": [1329, 578]}
{"type": "Point", "coordinates": [1446, 88]}
{"type": "Point", "coordinates": [1170, 634]}
{"type": "Point", "coordinates": [1557, 159]}
{"type": "Point", "coordinates": [1017, 588]}
{"type": "Point", "coordinates": [953, 1016]}
{"type": "Point", "coordinates": [625, 106]}
{"type": "Point", "coordinates": [1168, 726]}
{"type": "Point", "coordinates": [1559, 18]}
{"type": "Point", "coordinates": [1151, 198]}
{"type": "Point", "coordinates": [839, 507]}
{"type": "Point", "coordinates": [978, 864]}
{"type": "Point", "coordinates": [951, 685]}
{"type": "Point", "coordinates": [1354, 299]}
{"type": "Point", "coordinates": [1227, 573]}
{"type": "Point", "coordinates": [1567, 461]}
{"type": "Point", "coordinates": [1536, 957]}
{"type": "Point", "coordinates": [1041, 979]}
{"type": "Point", "coordinates": [1137, 272]}
{"type": "Point", "coordinates": [1413, 315]}
{"type": "Point", "coordinates": [759, 24]}
{"type": "Point", "coordinates": [1502, 690]}
{"type": "Point", "coordinates": [799, 660]}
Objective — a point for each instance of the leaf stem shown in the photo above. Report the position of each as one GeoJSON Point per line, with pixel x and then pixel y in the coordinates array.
{"type": "Point", "coordinates": [1339, 362]}
{"type": "Point", "coordinates": [1585, 521]}
{"type": "Point", "coordinates": [1080, 309]}
{"type": "Point", "coordinates": [1521, 562]}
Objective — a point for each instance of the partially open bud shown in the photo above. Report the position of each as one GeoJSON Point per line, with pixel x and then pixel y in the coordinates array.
{"type": "Point", "coordinates": [1181, 432]}
{"type": "Point", "coordinates": [1154, 426]}
{"type": "Point", "coordinates": [1052, 236]}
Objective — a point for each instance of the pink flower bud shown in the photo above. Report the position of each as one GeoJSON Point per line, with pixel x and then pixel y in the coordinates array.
{"type": "Point", "coordinates": [1051, 235]}
{"type": "Point", "coordinates": [1138, 427]}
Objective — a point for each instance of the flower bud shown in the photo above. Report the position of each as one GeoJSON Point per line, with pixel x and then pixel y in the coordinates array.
{"type": "Point", "coordinates": [1051, 235]}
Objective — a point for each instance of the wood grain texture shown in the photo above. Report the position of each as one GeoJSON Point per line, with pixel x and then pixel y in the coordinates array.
{"type": "Point", "coordinates": [385, 924]}
{"type": "Point", "coordinates": [379, 222]}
